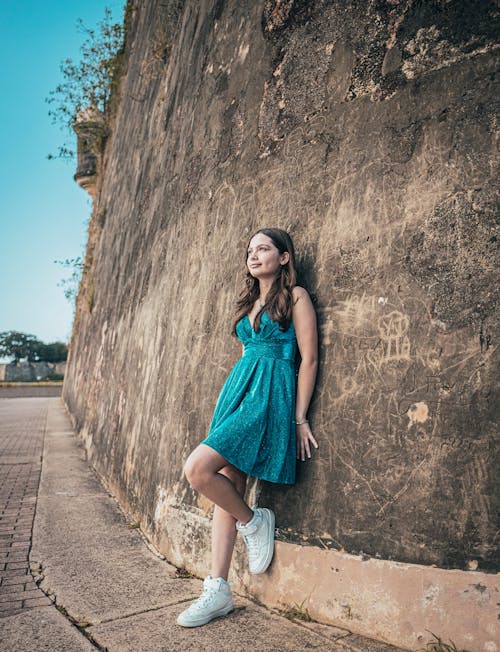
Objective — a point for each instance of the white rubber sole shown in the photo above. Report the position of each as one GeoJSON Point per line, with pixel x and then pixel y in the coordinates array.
{"type": "Point", "coordinates": [223, 611]}
{"type": "Point", "coordinates": [268, 516]}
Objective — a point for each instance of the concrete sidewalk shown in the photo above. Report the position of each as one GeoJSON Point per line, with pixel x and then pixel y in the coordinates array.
{"type": "Point", "coordinates": [99, 583]}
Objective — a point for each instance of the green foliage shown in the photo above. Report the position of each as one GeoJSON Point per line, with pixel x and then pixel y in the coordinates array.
{"type": "Point", "coordinates": [71, 283]}
{"type": "Point", "coordinates": [53, 352]}
{"type": "Point", "coordinates": [55, 377]}
{"type": "Point", "coordinates": [438, 645]}
{"type": "Point", "coordinates": [23, 345]}
{"type": "Point", "coordinates": [296, 612]}
{"type": "Point", "coordinates": [19, 345]}
{"type": "Point", "coordinates": [88, 82]}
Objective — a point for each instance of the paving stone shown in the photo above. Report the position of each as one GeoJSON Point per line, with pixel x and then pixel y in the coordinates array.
{"type": "Point", "coordinates": [16, 579]}
{"type": "Point", "coordinates": [10, 607]}
{"type": "Point", "coordinates": [16, 565]}
{"type": "Point", "coordinates": [16, 594]}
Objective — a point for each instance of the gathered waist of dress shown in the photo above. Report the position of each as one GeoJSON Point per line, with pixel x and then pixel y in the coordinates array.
{"type": "Point", "coordinates": [276, 350]}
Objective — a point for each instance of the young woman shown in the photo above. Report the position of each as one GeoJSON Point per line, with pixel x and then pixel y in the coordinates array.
{"type": "Point", "coordinates": [259, 426]}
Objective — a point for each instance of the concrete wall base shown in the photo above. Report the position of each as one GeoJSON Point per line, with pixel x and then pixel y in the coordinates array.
{"type": "Point", "coordinates": [390, 601]}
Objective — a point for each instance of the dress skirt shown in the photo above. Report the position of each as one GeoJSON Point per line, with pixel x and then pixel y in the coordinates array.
{"type": "Point", "coordinates": [252, 426]}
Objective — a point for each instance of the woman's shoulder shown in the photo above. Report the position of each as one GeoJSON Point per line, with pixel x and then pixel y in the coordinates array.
{"type": "Point", "coordinates": [298, 293]}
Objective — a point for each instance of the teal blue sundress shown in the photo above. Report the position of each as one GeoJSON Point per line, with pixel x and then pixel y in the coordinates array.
{"type": "Point", "coordinates": [253, 422]}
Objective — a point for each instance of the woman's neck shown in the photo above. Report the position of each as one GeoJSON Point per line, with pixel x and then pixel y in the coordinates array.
{"type": "Point", "coordinates": [264, 287]}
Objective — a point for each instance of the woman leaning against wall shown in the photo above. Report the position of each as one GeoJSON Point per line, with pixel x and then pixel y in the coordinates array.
{"type": "Point", "coordinates": [259, 426]}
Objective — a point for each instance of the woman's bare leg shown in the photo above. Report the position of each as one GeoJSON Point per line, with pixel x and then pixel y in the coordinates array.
{"type": "Point", "coordinates": [201, 469]}
{"type": "Point", "coordinates": [224, 527]}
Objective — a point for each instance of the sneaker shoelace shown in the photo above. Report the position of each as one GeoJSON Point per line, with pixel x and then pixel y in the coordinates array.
{"type": "Point", "coordinates": [252, 544]}
{"type": "Point", "coordinates": [205, 598]}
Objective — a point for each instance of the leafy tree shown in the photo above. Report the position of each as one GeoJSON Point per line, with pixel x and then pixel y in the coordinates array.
{"type": "Point", "coordinates": [54, 352]}
{"type": "Point", "coordinates": [88, 82]}
{"type": "Point", "coordinates": [22, 345]}
{"type": "Point", "coordinates": [18, 345]}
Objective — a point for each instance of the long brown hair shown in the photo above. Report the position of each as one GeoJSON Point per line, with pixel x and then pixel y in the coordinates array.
{"type": "Point", "coordinates": [279, 300]}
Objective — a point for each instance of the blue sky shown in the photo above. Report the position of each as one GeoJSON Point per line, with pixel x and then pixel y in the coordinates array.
{"type": "Point", "coordinates": [43, 213]}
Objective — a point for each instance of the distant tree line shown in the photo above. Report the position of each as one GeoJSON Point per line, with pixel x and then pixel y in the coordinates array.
{"type": "Point", "coordinates": [22, 345]}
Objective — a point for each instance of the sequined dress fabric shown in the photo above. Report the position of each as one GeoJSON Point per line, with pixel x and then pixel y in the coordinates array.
{"type": "Point", "coordinates": [252, 424]}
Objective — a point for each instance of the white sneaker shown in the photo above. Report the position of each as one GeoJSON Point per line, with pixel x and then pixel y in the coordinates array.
{"type": "Point", "coordinates": [258, 535]}
{"type": "Point", "coordinates": [216, 600]}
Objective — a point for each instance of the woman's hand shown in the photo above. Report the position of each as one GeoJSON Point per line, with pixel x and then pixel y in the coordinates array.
{"type": "Point", "coordinates": [304, 436]}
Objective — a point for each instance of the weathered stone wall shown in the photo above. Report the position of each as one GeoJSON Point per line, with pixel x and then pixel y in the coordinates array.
{"type": "Point", "coordinates": [367, 129]}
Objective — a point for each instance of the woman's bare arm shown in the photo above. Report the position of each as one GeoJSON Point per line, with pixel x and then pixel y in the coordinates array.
{"type": "Point", "coordinates": [304, 321]}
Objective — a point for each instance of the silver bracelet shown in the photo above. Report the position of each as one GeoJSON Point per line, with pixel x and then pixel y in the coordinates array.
{"type": "Point", "coordinates": [300, 423]}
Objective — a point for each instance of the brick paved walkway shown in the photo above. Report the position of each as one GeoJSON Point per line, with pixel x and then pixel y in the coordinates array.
{"type": "Point", "coordinates": [22, 429]}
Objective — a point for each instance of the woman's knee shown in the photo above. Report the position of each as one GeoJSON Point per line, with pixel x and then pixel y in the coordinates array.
{"type": "Point", "coordinates": [195, 470]}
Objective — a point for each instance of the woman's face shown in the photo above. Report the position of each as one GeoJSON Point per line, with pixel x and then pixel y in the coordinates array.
{"type": "Point", "coordinates": [263, 257]}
